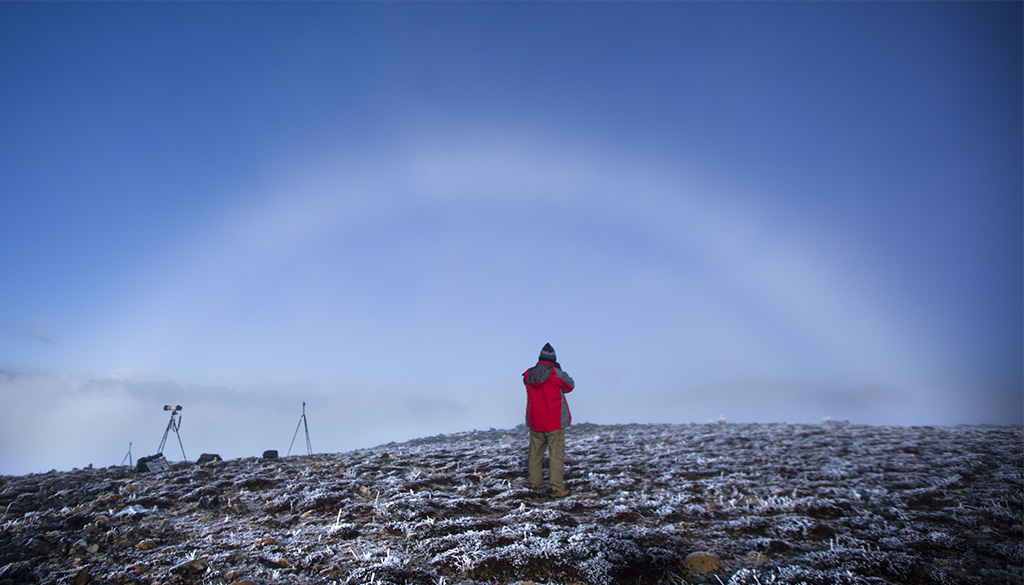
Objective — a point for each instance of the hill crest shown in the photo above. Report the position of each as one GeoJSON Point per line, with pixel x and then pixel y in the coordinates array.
{"type": "Point", "coordinates": [769, 503]}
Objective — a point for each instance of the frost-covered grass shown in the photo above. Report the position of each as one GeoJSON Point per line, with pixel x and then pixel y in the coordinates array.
{"type": "Point", "coordinates": [775, 503]}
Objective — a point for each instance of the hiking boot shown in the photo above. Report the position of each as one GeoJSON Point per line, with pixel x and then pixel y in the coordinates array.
{"type": "Point", "coordinates": [560, 493]}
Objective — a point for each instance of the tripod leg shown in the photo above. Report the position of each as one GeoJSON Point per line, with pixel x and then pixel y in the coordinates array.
{"type": "Point", "coordinates": [183, 456]}
{"type": "Point", "coordinates": [170, 424]}
{"type": "Point", "coordinates": [309, 449]}
{"type": "Point", "coordinates": [302, 418]}
{"type": "Point", "coordinates": [128, 456]}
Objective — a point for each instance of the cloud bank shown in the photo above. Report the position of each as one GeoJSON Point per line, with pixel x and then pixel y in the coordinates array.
{"type": "Point", "coordinates": [56, 420]}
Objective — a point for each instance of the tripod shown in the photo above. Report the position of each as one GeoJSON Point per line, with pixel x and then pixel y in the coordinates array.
{"type": "Point", "coordinates": [302, 422]}
{"type": "Point", "coordinates": [173, 424]}
{"type": "Point", "coordinates": [128, 457]}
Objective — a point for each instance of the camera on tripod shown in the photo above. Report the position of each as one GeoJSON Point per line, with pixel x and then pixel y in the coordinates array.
{"type": "Point", "coordinates": [173, 425]}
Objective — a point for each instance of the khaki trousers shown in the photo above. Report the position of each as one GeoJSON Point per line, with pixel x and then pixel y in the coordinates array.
{"type": "Point", "coordinates": [554, 443]}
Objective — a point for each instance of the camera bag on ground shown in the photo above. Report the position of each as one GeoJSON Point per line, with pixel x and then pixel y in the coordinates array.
{"type": "Point", "coordinates": [152, 463]}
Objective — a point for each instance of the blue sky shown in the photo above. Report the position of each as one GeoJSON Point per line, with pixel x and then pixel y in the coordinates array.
{"type": "Point", "coordinates": [762, 211]}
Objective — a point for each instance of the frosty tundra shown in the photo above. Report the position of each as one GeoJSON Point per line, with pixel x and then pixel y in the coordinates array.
{"type": "Point", "coordinates": [547, 416]}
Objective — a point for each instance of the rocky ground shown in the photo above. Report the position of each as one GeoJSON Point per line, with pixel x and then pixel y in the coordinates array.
{"type": "Point", "coordinates": [705, 503]}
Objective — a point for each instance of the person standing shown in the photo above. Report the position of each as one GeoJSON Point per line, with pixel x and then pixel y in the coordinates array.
{"type": "Point", "coordinates": [547, 416]}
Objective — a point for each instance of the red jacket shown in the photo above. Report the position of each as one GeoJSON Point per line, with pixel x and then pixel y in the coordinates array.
{"type": "Point", "coordinates": [546, 407]}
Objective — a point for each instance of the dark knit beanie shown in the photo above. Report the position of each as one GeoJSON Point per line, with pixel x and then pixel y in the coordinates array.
{"type": "Point", "coordinates": [547, 354]}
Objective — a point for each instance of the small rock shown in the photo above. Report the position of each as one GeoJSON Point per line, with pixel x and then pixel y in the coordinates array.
{"type": "Point", "coordinates": [148, 544]}
{"type": "Point", "coordinates": [207, 502]}
{"type": "Point", "coordinates": [82, 576]}
{"type": "Point", "coordinates": [702, 561]}
{"type": "Point", "coordinates": [191, 569]}
{"type": "Point", "coordinates": [93, 549]}
{"type": "Point", "coordinates": [76, 521]}
{"type": "Point", "coordinates": [246, 582]}
{"type": "Point", "coordinates": [140, 568]}
{"type": "Point", "coordinates": [757, 557]}
{"type": "Point", "coordinates": [279, 563]}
